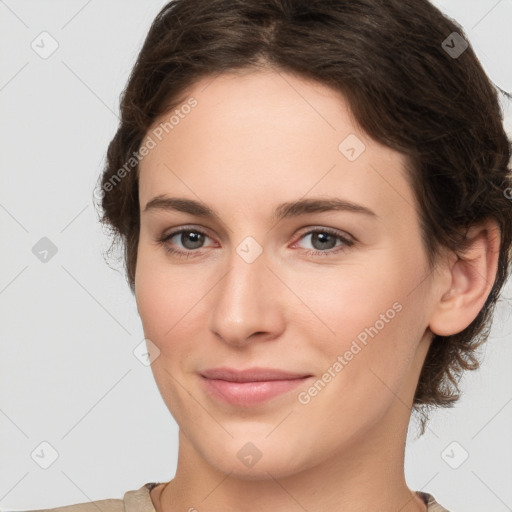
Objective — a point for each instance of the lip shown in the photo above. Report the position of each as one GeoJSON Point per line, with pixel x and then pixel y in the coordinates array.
{"type": "Point", "coordinates": [251, 386]}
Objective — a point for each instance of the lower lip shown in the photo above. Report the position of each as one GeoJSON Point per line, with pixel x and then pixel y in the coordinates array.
{"type": "Point", "coordinates": [243, 394]}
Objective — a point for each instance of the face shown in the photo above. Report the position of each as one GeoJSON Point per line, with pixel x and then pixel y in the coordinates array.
{"type": "Point", "coordinates": [336, 294]}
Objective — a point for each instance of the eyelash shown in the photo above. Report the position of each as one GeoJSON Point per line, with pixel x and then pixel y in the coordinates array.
{"type": "Point", "coordinates": [346, 242]}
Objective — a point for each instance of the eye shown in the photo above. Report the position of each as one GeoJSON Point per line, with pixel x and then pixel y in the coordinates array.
{"type": "Point", "coordinates": [190, 238]}
{"type": "Point", "coordinates": [324, 240]}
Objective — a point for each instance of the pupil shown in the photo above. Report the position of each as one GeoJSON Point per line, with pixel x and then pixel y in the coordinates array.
{"type": "Point", "coordinates": [193, 237]}
{"type": "Point", "coordinates": [323, 237]}
{"type": "Point", "coordinates": [196, 239]}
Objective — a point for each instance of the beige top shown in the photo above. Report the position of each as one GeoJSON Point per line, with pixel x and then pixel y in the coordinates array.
{"type": "Point", "coordinates": [140, 501]}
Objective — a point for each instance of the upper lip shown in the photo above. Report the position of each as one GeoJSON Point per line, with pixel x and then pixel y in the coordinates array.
{"type": "Point", "coordinates": [254, 374]}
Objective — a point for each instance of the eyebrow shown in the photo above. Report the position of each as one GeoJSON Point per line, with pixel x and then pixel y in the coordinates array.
{"type": "Point", "coordinates": [283, 211]}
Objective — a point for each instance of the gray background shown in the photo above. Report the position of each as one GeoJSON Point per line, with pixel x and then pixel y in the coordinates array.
{"type": "Point", "coordinates": [70, 325]}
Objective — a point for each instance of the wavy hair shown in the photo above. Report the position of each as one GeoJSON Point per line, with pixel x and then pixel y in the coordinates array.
{"type": "Point", "coordinates": [411, 84]}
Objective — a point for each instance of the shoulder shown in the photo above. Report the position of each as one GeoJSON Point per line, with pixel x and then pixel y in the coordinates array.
{"type": "Point", "coordinates": [110, 505]}
{"type": "Point", "coordinates": [432, 504]}
{"type": "Point", "coordinates": [138, 499]}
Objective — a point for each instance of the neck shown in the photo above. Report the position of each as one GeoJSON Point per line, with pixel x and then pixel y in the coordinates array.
{"type": "Point", "coordinates": [367, 476]}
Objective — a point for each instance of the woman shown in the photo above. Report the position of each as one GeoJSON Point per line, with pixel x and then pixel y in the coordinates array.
{"type": "Point", "coordinates": [312, 199]}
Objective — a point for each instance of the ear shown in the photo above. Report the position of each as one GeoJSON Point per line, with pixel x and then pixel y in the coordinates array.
{"type": "Point", "coordinates": [468, 281]}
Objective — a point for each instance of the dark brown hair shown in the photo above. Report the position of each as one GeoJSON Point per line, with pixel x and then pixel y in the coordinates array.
{"type": "Point", "coordinates": [396, 63]}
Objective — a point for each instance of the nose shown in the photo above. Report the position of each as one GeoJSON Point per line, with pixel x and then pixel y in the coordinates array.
{"type": "Point", "coordinates": [246, 303]}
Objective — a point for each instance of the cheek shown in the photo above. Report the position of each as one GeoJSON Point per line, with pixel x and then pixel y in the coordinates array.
{"type": "Point", "coordinates": [171, 303]}
{"type": "Point", "coordinates": [371, 314]}
{"type": "Point", "coordinates": [340, 303]}
{"type": "Point", "coordinates": [159, 296]}
{"type": "Point", "coordinates": [151, 298]}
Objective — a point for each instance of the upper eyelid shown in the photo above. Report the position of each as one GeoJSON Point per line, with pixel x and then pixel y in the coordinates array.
{"type": "Point", "coordinates": [338, 232]}
{"type": "Point", "coordinates": [177, 231]}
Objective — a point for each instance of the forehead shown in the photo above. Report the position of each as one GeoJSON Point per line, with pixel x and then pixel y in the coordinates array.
{"type": "Point", "coordinates": [270, 133]}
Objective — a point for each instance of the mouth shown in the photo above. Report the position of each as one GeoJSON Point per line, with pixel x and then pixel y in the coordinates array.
{"type": "Point", "coordinates": [244, 388]}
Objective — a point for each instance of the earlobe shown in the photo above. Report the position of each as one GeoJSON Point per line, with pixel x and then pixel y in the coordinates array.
{"type": "Point", "coordinates": [471, 279]}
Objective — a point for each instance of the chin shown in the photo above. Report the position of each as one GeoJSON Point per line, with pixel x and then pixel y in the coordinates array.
{"type": "Point", "coordinates": [258, 460]}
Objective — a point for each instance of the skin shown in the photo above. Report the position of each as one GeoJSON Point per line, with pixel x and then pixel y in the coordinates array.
{"type": "Point", "coordinates": [254, 141]}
